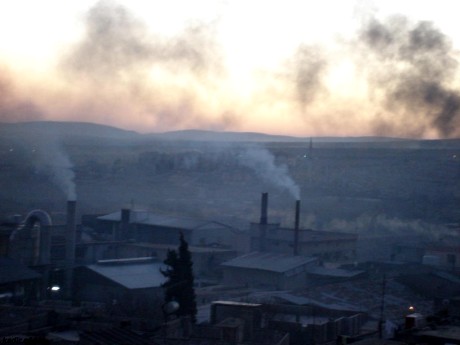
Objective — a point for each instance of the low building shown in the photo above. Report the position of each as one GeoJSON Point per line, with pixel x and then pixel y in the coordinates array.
{"type": "Point", "coordinates": [207, 260]}
{"type": "Point", "coordinates": [143, 226]}
{"type": "Point", "coordinates": [269, 270]}
{"type": "Point", "coordinates": [125, 285]}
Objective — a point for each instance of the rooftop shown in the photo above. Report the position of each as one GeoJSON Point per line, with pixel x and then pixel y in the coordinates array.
{"type": "Point", "coordinates": [131, 273]}
{"type": "Point", "coordinates": [149, 218]}
{"type": "Point", "coordinates": [269, 262]}
{"type": "Point", "coordinates": [193, 249]}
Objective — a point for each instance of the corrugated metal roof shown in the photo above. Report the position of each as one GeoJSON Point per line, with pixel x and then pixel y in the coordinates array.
{"type": "Point", "coordinates": [132, 275]}
{"type": "Point", "coordinates": [148, 218]}
{"type": "Point", "coordinates": [269, 261]}
{"type": "Point", "coordinates": [13, 271]}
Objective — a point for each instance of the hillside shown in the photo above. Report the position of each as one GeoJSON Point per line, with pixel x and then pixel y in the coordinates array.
{"type": "Point", "coordinates": [339, 182]}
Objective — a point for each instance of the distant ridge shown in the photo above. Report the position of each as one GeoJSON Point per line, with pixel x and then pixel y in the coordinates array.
{"type": "Point", "coordinates": [91, 132]}
{"type": "Point", "coordinates": [74, 129]}
{"type": "Point", "coordinates": [205, 135]}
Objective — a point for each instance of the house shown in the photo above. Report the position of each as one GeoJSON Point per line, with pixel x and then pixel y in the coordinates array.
{"type": "Point", "coordinates": [271, 270]}
{"type": "Point", "coordinates": [143, 226]}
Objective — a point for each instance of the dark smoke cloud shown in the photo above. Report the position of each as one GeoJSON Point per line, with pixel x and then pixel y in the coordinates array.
{"type": "Point", "coordinates": [117, 43]}
{"type": "Point", "coordinates": [416, 70]}
{"type": "Point", "coordinates": [160, 77]}
{"type": "Point", "coordinates": [305, 71]}
{"type": "Point", "coordinates": [13, 105]}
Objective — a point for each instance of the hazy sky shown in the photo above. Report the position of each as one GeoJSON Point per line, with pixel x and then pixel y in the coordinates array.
{"type": "Point", "coordinates": [287, 67]}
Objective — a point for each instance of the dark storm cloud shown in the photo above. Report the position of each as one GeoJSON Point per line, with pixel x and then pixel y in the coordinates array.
{"type": "Point", "coordinates": [416, 70]}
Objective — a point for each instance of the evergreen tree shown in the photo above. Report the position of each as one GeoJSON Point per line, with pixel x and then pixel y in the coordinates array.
{"type": "Point", "coordinates": [171, 273]}
{"type": "Point", "coordinates": [187, 291]}
{"type": "Point", "coordinates": [180, 280]}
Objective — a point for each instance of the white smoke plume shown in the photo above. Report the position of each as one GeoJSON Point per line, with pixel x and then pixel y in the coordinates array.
{"type": "Point", "coordinates": [55, 162]}
{"type": "Point", "coordinates": [262, 162]}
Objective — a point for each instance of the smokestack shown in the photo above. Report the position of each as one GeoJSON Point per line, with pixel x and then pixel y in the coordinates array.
{"type": "Point", "coordinates": [263, 222]}
{"type": "Point", "coordinates": [125, 218]}
{"type": "Point", "coordinates": [71, 230]}
{"type": "Point", "coordinates": [296, 227]}
{"type": "Point", "coordinates": [264, 207]}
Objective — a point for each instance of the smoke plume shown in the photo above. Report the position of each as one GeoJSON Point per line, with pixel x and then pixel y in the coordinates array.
{"type": "Point", "coordinates": [54, 162]}
{"type": "Point", "coordinates": [152, 78]}
{"type": "Point", "coordinates": [308, 67]}
{"type": "Point", "coordinates": [417, 71]}
{"type": "Point", "coordinates": [262, 162]}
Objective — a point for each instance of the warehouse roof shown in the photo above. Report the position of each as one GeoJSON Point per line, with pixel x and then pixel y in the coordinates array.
{"type": "Point", "coordinates": [149, 218]}
{"type": "Point", "coordinates": [269, 262]}
{"type": "Point", "coordinates": [139, 273]}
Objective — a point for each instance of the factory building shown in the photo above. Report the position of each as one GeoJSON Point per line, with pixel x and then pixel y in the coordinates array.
{"type": "Point", "coordinates": [327, 246]}
{"type": "Point", "coordinates": [148, 227]}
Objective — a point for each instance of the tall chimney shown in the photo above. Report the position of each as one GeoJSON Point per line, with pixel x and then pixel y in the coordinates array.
{"type": "Point", "coordinates": [70, 231]}
{"type": "Point", "coordinates": [124, 224]}
{"type": "Point", "coordinates": [296, 227]}
{"type": "Point", "coordinates": [264, 207]}
{"type": "Point", "coordinates": [263, 223]}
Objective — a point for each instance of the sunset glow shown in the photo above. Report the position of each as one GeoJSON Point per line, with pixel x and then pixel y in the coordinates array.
{"type": "Point", "coordinates": [347, 68]}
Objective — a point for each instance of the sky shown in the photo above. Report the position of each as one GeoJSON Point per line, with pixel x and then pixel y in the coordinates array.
{"type": "Point", "coordinates": [303, 68]}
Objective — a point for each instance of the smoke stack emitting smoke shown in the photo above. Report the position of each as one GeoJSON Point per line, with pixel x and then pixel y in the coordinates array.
{"type": "Point", "coordinates": [261, 161]}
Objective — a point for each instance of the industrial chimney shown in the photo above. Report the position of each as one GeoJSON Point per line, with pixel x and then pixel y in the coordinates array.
{"type": "Point", "coordinates": [296, 227]}
{"type": "Point", "coordinates": [124, 224]}
{"type": "Point", "coordinates": [70, 235]}
{"type": "Point", "coordinates": [263, 222]}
